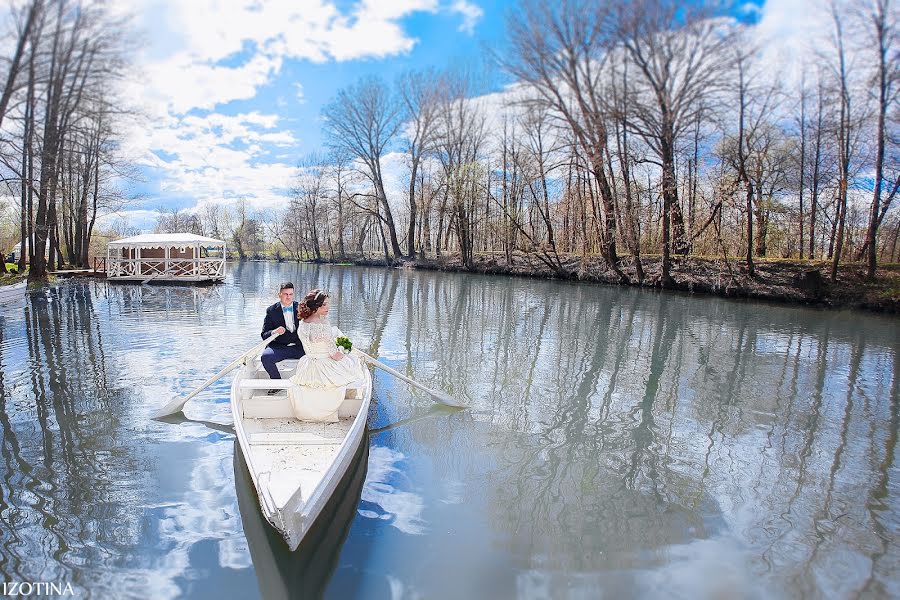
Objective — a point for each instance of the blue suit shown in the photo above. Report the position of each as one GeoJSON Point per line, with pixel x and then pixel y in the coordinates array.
{"type": "Point", "coordinates": [285, 346]}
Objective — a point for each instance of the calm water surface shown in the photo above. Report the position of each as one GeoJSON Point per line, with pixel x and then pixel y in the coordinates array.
{"type": "Point", "coordinates": [620, 443]}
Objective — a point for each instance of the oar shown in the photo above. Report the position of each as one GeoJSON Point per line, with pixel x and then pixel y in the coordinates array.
{"type": "Point", "coordinates": [178, 403]}
{"type": "Point", "coordinates": [441, 397]}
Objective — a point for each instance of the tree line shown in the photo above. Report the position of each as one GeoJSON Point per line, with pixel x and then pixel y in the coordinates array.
{"type": "Point", "coordinates": [640, 128]}
{"type": "Point", "coordinates": [58, 117]}
{"type": "Point", "coordinates": [630, 131]}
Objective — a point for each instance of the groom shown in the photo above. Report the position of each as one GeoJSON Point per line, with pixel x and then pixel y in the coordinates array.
{"type": "Point", "coordinates": [281, 320]}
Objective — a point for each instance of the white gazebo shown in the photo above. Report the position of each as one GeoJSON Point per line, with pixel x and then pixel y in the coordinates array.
{"type": "Point", "coordinates": [166, 257]}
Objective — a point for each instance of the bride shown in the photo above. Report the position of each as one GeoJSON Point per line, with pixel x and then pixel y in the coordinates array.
{"type": "Point", "coordinates": [324, 372]}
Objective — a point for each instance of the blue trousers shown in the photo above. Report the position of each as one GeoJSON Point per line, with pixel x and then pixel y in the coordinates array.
{"type": "Point", "coordinates": [272, 355]}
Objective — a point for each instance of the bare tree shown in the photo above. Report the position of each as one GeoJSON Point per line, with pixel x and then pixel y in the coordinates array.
{"type": "Point", "coordinates": [559, 51]}
{"type": "Point", "coordinates": [460, 138]}
{"type": "Point", "coordinates": [246, 231]}
{"type": "Point", "coordinates": [682, 55]}
{"type": "Point", "coordinates": [176, 220]}
{"type": "Point", "coordinates": [211, 220]}
{"type": "Point", "coordinates": [340, 176]}
{"type": "Point", "coordinates": [844, 136]}
{"type": "Point", "coordinates": [823, 162]}
{"type": "Point", "coordinates": [84, 57]}
{"type": "Point", "coordinates": [28, 25]}
{"type": "Point", "coordinates": [362, 121]}
{"type": "Point", "coordinates": [621, 100]}
{"type": "Point", "coordinates": [420, 93]}
{"type": "Point", "coordinates": [308, 200]}
{"type": "Point", "coordinates": [882, 20]}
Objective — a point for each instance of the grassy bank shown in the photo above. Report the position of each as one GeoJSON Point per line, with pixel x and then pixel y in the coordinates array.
{"type": "Point", "coordinates": [779, 280]}
{"type": "Point", "coordinates": [12, 275]}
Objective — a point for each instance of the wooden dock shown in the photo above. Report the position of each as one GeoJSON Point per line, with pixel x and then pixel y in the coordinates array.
{"type": "Point", "coordinates": [80, 273]}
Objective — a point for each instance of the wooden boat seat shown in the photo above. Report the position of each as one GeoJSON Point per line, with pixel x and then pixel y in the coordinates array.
{"type": "Point", "coordinates": [265, 384]}
{"type": "Point", "coordinates": [263, 406]}
{"type": "Point", "coordinates": [248, 385]}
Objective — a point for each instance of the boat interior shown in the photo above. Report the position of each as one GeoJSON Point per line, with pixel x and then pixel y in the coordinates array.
{"type": "Point", "coordinates": [299, 451]}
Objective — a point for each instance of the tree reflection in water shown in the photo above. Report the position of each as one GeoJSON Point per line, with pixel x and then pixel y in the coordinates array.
{"type": "Point", "coordinates": [63, 457]}
{"type": "Point", "coordinates": [610, 428]}
{"type": "Point", "coordinates": [639, 443]}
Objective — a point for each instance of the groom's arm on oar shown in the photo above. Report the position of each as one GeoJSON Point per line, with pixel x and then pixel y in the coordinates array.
{"type": "Point", "coordinates": [270, 325]}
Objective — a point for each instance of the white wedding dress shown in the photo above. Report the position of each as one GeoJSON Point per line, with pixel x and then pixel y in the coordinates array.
{"type": "Point", "coordinates": [321, 380]}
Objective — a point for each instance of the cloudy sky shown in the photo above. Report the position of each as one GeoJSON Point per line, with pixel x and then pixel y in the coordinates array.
{"type": "Point", "coordinates": [232, 90]}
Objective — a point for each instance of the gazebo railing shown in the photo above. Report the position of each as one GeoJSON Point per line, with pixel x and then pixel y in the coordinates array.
{"type": "Point", "coordinates": [175, 268]}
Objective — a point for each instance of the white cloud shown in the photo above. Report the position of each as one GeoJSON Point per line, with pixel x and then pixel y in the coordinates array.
{"type": "Point", "coordinates": [793, 34]}
{"type": "Point", "coordinates": [182, 84]}
{"type": "Point", "coordinates": [203, 54]}
{"type": "Point", "coordinates": [214, 52]}
{"type": "Point", "coordinates": [471, 14]}
{"type": "Point", "coordinates": [214, 157]}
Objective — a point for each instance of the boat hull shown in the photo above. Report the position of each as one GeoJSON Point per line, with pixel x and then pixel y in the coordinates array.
{"type": "Point", "coordinates": [296, 467]}
{"type": "Point", "coordinates": [305, 572]}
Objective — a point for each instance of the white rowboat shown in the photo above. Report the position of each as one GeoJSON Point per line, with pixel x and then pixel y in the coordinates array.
{"type": "Point", "coordinates": [295, 465]}
{"type": "Point", "coordinates": [305, 572]}
{"type": "Point", "coordinates": [10, 293]}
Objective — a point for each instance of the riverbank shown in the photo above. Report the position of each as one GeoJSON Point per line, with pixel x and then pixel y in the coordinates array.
{"type": "Point", "coordinates": [777, 280]}
{"type": "Point", "coordinates": [12, 278]}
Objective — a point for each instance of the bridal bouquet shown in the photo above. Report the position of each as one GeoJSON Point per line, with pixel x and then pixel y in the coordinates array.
{"type": "Point", "coordinates": [344, 344]}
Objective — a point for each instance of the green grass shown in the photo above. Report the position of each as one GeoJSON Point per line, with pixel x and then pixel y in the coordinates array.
{"type": "Point", "coordinates": [12, 275]}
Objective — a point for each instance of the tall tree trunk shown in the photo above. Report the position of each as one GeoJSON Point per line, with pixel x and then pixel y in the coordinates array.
{"type": "Point", "coordinates": [750, 267]}
{"type": "Point", "coordinates": [27, 182]}
{"type": "Point", "coordinates": [761, 220]}
{"type": "Point", "coordinates": [388, 217]}
{"type": "Point", "coordinates": [844, 154]}
{"type": "Point", "coordinates": [630, 217]}
{"type": "Point", "coordinates": [86, 241]}
{"type": "Point", "coordinates": [672, 217]}
{"type": "Point", "coordinates": [340, 219]}
{"type": "Point", "coordinates": [802, 160]}
{"type": "Point", "coordinates": [608, 233]}
{"type": "Point", "coordinates": [411, 231]}
{"type": "Point", "coordinates": [45, 218]}
{"type": "Point", "coordinates": [880, 19]}
{"type": "Point", "coordinates": [814, 199]}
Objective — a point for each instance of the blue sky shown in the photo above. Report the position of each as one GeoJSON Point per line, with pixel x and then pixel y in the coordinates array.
{"type": "Point", "coordinates": [231, 91]}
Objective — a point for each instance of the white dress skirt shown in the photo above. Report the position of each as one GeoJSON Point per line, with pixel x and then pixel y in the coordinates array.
{"type": "Point", "coordinates": [321, 380]}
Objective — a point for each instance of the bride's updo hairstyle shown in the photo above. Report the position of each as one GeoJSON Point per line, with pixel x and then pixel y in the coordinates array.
{"type": "Point", "coordinates": [312, 301]}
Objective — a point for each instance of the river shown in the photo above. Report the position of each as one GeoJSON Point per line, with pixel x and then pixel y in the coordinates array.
{"type": "Point", "coordinates": [619, 443]}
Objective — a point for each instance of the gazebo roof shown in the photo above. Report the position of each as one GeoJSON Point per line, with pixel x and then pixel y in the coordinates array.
{"type": "Point", "coordinates": [162, 240]}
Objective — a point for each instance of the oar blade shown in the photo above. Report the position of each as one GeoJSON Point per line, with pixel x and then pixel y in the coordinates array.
{"type": "Point", "coordinates": [447, 399]}
{"type": "Point", "coordinates": [172, 408]}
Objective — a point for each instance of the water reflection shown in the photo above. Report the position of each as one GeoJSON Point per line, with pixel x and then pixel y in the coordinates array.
{"type": "Point", "coordinates": [614, 431]}
{"type": "Point", "coordinates": [92, 495]}
{"type": "Point", "coordinates": [637, 443]}
{"type": "Point", "coordinates": [305, 572]}
{"type": "Point", "coordinates": [63, 459]}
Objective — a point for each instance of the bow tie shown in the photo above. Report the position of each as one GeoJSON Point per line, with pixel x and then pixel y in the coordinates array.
{"type": "Point", "coordinates": [287, 309]}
